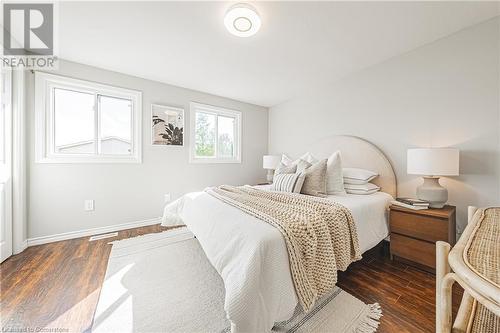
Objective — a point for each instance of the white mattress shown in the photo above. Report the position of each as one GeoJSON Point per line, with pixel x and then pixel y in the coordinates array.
{"type": "Point", "coordinates": [369, 212]}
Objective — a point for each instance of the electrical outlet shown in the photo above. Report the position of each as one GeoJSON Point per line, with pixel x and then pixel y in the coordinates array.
{"type": "Point", "coordinates": [167, 197]}
{"type": "Point", "coordinates": [89, 205]}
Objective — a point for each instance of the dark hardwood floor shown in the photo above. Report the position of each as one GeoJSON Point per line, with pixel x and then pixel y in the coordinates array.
{"type": "Point", "coordinates": [57, 286]}
{"type": "Point", "coordinates": [406, 294]}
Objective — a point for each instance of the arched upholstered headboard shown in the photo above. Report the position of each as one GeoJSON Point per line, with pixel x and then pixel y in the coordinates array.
{"type": "Point", "coordinates": [358, 153]}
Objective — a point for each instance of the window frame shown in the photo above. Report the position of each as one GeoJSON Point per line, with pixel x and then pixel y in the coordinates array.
{"type": "Point", "coordinates": [45, 127]}
{"type": "Point", "coordinates": [217, 111]}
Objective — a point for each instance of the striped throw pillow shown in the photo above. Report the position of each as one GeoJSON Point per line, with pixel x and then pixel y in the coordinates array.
{"type": "Point", "coordinates": [288, 182]}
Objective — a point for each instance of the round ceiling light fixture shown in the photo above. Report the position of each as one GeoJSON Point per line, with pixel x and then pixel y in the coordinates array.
{"type": "Point", "coordinates": [242, 20]}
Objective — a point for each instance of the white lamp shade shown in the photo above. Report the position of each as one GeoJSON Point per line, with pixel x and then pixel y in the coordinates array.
{"type": "Point", "coordinates": [271, 161]}
{"type": "Point", "coordinates": [433, 161]}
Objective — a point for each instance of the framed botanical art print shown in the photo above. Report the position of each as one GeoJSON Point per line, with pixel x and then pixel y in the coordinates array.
{"type": "Point", "coordinates": [168, 125]}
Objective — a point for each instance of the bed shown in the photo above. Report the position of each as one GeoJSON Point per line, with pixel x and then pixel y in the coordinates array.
{"type": "Point", "coordinates": [251, 255]}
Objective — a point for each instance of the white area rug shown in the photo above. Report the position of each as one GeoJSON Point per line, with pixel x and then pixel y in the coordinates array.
{"type": "Point", "coordinates": [164, 283]}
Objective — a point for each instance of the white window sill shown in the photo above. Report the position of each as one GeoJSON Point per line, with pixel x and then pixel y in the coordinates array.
{"type": "Point", "coordinates": [214, 161]}
{"type": "Point", "coordinates": [87, 159]}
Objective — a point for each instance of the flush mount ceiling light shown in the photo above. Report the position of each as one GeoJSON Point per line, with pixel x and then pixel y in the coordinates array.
{"type": "Point", "coordinates": [242, 20]}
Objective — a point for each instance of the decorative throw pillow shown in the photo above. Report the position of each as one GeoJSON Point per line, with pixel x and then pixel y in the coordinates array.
{"type": "Point", "coordinates": [315, 179]}
{"type": "Point", "coordinates": [288, 182]}
{"type": "Point", "coordinates": [367, 188]}
{"type": "Point", "coordinates": [358, 176]}
{"type": "Point", "coordinates": [285, 160]}
{"type": "Point", "coordinates": [283, 169]}
{"type": "Point", "coordinates": [302, 166]}
{"type": "Point", "coordinates": [306, 157]}
{"type": "Point", "coordinates": [309, 158]}
{"type": "Point", "coordinates": [334, 180]}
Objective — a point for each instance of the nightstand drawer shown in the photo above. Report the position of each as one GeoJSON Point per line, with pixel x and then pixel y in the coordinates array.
{"type": "Point", "coordinates": [423, 227]}
{"type": "Point", "coordinates": [413, 249]}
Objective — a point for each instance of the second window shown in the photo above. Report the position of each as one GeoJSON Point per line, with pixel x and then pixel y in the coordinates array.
{"type": "Point", "coordinates": [215, 134]}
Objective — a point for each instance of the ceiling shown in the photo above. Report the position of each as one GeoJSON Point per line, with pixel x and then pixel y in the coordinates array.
{"type": "Point", "coordinates": [301, 45]}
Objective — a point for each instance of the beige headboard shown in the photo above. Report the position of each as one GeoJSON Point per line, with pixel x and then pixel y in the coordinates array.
{"type": "Point", "coordinates": [358, 153]}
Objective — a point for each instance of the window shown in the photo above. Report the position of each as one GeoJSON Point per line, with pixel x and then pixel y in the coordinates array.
{"type": "Point", "coordinates": [215, 134]}
{"type": "Point", "coordinates": [80, 122]}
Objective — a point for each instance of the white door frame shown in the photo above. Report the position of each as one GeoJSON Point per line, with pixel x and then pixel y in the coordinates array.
{"type": "Point", "coordinates": [19, 160]}
{"type": "Point", "coordinates": [6, 167]}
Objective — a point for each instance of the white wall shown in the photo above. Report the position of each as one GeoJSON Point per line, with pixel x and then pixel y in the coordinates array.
{"type": "Point", "coordinates": [443, 94]}
{"type": "Point", "coordinates": [131, 192]}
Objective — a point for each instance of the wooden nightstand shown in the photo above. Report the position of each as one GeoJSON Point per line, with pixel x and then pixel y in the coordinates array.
{"type": "Point", "coordinates": [414, 234]}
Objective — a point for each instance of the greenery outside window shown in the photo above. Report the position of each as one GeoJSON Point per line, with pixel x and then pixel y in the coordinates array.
{"type": "Point", "coordinates": [215, 134]}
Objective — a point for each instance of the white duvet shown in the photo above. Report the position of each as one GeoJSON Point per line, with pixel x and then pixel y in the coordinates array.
{"type": "Point", "coordinates": [251, 255]}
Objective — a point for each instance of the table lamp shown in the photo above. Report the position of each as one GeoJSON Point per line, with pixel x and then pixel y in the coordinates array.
{"type": "Point", "coordinates": [432, 163]}
{"type": "Point", "coordinates": [270, 162]}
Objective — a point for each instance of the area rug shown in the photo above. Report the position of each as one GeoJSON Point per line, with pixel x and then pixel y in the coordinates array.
{"type": "Point", "coordinates": [163, 282]}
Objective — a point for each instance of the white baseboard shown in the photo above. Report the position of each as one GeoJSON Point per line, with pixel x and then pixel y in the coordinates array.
{"type": "Point", "coordinates": [90, 232]}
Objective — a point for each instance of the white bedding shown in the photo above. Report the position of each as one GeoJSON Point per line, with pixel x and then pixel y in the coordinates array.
{"type": "Point", "coordinates": [370, 215]}
{"type": "Point", "coordinates": [251, 255]}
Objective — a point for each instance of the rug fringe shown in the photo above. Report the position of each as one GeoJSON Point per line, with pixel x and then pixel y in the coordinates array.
{"type": "Point", "coordinates": [371, 321]}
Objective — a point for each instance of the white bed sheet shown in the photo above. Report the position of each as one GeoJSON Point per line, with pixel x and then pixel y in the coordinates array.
{"type": "Point", "coordinates": [370, 214]}
{"type": "Point", "coordinates": [250, 256]}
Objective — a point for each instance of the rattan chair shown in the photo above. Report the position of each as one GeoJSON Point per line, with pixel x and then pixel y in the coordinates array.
{"type": "Point", "coordinates": [474, 262]}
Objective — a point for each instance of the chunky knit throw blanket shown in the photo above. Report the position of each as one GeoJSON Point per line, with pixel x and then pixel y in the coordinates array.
{"type": "Point", "coordinates": [320, 235]}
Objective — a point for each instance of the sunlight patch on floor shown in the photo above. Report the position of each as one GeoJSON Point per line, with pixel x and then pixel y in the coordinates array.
{"type": "Point", "coordinates": [118, 298]}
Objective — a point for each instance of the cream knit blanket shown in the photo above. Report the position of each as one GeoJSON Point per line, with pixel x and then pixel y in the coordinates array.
{"type": "Point", "coordinates": [320, 235]}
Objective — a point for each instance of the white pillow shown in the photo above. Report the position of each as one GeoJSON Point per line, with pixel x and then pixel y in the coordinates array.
{"type": "Point", "coordinates": [358, 176]}
{"type": "Point", "coordinates": [302, 165]}
{"type": "Point", "coordinates": [282, 168]}
{"type": "Point", "coordinates": [309, 158]}
{"type": "Point", "coordinates": [367, 188]}
{"type": "Point", "coordinates": [360, 192]}
{"type": "Point", "coordinates": [334, 179]}
{"type": "Point", "coordinates": [306, 157]}
{"type": "Point", "coordinates": [286, 160]}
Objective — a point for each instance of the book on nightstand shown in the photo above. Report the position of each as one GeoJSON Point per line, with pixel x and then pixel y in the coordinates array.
{"type": "Point", "coordinates": [413, 202]}
{"type": "Point", "coordinates": [400, 203]}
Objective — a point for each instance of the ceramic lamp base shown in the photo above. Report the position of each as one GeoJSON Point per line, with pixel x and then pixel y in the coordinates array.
{"type": "Point", "coordinates": [270, 175]}
{"type": "Point", "coordinates": [433, 192]}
